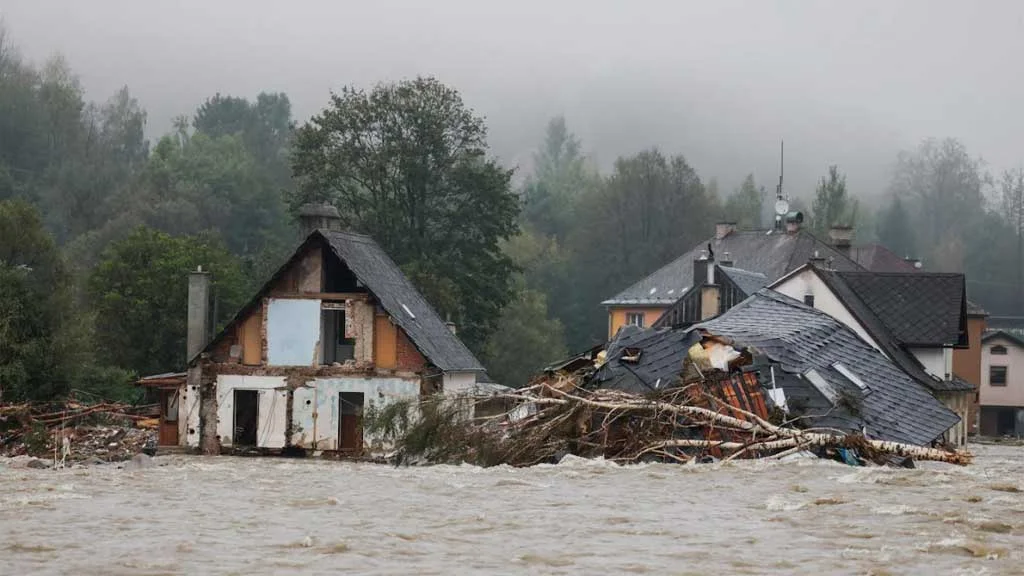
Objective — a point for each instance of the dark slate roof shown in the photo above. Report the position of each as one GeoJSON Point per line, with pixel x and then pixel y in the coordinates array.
{"type": "Point", "coordinates": [918, 309]}
{"type": "Point", "coordinates": [747, 281]}
{"type": "Point", "coordinates": [402, 301]}
{"type": "Point", "coordinates": [880, 317]}
{"type": "Point", "coordinates": [379, 273]}
{"type": "Point", "coordinates": [799, 337]}
{"type": "Point", "coordinates": [767, 252]}
{"type": "Point", "coordinates": [794, 338]}
{"type": "Point", "coordinates": [878, 258]}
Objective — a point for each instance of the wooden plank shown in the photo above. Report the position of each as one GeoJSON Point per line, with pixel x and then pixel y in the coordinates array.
{"type": "Point", "coordinates": [336, 296]}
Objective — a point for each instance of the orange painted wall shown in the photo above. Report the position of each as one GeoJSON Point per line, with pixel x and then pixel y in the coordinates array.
{"type": "Point", "coordinates": [385, 342]}
{"type": "Point", "coordinates": [252, 344]}
{"type": "Point", "coordinates": [967, 364]}
{"type": "Point", "coordinates": [617, 317]}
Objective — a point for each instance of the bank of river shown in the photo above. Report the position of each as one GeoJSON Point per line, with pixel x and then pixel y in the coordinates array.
{"type": "Point", "coordinates": [267, 516]}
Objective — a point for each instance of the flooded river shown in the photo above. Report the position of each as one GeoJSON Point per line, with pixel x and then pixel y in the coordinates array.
{"type": "Point", "coordinates": [190, 515]}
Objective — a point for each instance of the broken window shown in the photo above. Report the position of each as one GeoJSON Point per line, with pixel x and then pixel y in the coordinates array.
{"type": "Point", "coordinates": [822, 385]}
{"type": "Point", "coordinates": [336, 347]}
{"type": "Point", "coordinates": [997, 375]}
{"type": "Point", "coordinates": [635, 319]}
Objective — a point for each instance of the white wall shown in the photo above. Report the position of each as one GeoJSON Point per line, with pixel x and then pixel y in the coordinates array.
{"type": "Point", "coordinates": [293, 332]}
{"type": "Point", "coordinates": [272, 410]}
{"type": "Point", "coordinates": [316, 413]}
{"type": "Point", "coordinates": [458, 382]}
{"type": "Point", "coordinates": [188, 409]}
{"type": "Point", "coordinates": [806, 283]}
{"type": "Point", "coordinates": [933, 360]}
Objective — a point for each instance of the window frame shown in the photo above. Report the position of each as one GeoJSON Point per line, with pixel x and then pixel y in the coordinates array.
{"type": "Point", "coordinates": [997, 350]}
{"type": "Point", "coordinates": [639, 316]}
{"type": "Point", "coordinates": [992, 370]}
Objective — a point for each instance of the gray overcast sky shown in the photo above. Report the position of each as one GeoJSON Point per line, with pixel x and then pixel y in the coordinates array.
{"type": "Point", "coordinates": [718, 81]}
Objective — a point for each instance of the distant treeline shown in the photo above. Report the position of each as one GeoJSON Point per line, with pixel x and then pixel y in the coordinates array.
{"type": "Point", "coordinates": [98, 226]}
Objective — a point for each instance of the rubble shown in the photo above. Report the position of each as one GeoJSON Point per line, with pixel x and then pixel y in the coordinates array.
{"type": "Point", "coordinates": [718, 418]}
{"type": "Point", "coordinates": [74, 432]}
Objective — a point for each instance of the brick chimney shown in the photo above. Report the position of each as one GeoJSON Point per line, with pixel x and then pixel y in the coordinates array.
{"type": "Point", "coordinates": [723, 229]}
{"type": "Point", "coordinates": [318, 217]}
{"type": "Point", "coordinates": [841, 237]}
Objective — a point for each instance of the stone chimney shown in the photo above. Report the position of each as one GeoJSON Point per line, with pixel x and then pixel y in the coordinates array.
{"type": "Point", "coordinates": [793, 222]}
{"type": "Point", "coordinates": [198, 326]}
{"type": "Point", "coordinates": [451, 326]}
{"type": "Point", "coordinates": [723, 229]}
{"type": "Point", "coordinates": [841, 237]}
{"type": "Point", "coordinates": [318, 217]}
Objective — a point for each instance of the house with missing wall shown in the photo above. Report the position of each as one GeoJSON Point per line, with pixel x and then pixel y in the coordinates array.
{"type": "Point", "coordinates": [771, 253]}
{"type": "Point", "coordinates": [337, 329]}
{"type": "Point", "coordinates": [1002, 387]}
{"type": "Point", "coordinates": [915, 319]}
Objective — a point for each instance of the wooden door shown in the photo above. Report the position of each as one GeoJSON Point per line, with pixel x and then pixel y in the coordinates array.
{"type": "Point", "coordinates": [350, 432]}
{"type": "Point", "coordinates": [168, 417]}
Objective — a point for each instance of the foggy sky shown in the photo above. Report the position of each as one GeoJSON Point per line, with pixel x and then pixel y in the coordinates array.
{"type": "Point", "coordinates": [720, 82]}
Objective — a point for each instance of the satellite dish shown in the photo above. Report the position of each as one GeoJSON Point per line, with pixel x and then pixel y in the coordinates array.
{"type": "Point", "coordinates": [781, 207]}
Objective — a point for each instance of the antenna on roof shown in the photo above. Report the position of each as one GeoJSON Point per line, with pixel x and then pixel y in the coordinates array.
{"type": "Point", "coordinates": [781, 205]}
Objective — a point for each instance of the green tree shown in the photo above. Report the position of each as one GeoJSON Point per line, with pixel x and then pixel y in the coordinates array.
{"type": "Point", "coordinates": [895, 230]}
{"type": "Point", "coordinates": [649, 211]}
{"type": "Point", "coordinates": [943, 188]}
{"type": "Point", "coordinates": [832, 205]}
{"type": "Point", "coordinates": [33, 307]}
{"type": "Point", "coordinates": [265, 127]}
{"type": "Point", "coordinates": [561, 177]}
{"type": "Point", "coordinates": [744, 206]}
{"type": "Point", "coordinates": [525, 341]}
{"type": "Point", "coordinates": [139, 292]}
{"type": "Point", "coordinates": [1013, 210]}
{"type": "Point", "coordinates": [407, 163]}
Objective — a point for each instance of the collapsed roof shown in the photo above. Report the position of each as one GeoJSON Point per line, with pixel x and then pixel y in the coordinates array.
{"type": "Point", "coordinates": [827, 373]}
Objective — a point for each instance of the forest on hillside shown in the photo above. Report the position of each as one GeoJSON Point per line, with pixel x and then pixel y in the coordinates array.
{"type": "Point", "coordinates": [99, 225]}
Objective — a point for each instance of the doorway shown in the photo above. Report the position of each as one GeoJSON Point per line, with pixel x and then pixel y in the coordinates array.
{"type": "Point", "coordinates": [350, 427]}
{"type": "Point", "coordinates": [168, 417]}
{"type": "Point", "coordinates": [247, 409]}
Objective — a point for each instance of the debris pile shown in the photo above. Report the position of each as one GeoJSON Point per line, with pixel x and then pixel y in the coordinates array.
{"type": "Point", "coordinates": [718, 416]}
{"type": "Point", "coordinates": [74, 431]}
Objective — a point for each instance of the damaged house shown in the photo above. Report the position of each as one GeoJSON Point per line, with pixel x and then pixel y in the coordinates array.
{"type": "Point", "coordinates": [336, 330]}
{"type": "Point", "coordinates": [806, 364]}
{"type": "Point", "coordinates": [915, 319]}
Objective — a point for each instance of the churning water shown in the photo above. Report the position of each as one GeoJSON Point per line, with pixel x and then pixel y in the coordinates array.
{"type": "Point", "coordinates": [193, 515]}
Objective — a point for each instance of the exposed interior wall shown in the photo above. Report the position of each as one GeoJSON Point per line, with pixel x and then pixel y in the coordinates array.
{"type": "Point", "coordinates": [617, 316]}
{"type": "Point", "coordinates": [385, 342]}
{"type": "Point", "coordinates": [250, 338]}
{"type": "Point", "coordinates": [362, 325]}
{"type": "Point", "coordinates": [310, 270]}
{"type": "Point", "coordinates": [316, 408]}
{"type": "Point", "coordinates": [272, 412]}
{"type": "Point", "coordinates": [807, 283]}
{"type": "Point", "coordinates": [407, 357]}
{"type": "Point", "coordinates": [293, 332]}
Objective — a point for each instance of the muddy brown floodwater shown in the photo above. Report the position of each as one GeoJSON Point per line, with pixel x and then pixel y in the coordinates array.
{"type": "Point", "coordinates": [190, 515]}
